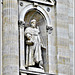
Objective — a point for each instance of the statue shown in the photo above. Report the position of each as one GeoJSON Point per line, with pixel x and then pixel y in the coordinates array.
{"type": "Point", "coordinates": [33, 45]}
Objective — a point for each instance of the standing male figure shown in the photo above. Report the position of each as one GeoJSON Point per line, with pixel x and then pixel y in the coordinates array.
{"type": "Point", "coordinates": [33, 45]}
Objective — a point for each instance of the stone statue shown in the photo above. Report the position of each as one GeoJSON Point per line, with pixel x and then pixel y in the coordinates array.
{"type": "Point", "coordinates": [33, 45]}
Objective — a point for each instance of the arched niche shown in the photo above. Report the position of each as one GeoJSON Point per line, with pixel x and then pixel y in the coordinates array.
{"type": "Point", "coordinates": [28, 13]}
{"type": "Point", "coordinates": [29, 7]}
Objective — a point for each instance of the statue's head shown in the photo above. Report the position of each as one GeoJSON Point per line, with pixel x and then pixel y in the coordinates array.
{"type": "Point", "coordinates": [33, 23]}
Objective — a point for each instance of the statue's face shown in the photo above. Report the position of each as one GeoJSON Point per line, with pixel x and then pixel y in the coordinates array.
{"type": "Point", "coordinates": [33, 24]}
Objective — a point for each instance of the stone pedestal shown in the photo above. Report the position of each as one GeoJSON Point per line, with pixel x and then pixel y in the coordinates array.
{"type": "Point", "coordinates": [34, 71]}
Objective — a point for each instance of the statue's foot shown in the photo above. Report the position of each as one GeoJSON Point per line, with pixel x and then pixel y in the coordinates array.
{"type": "Point", "coordinates": [40, 66]}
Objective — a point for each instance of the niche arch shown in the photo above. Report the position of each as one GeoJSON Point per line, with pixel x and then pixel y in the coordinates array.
{"type": "Point", "coordinates": [44, 14]}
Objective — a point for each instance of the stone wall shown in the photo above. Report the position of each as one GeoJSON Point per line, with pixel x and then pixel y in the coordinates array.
{"type": "Point", "coordinates": [61, 56]}
{"type": "Point", "coordinates": [0, 37]}
{"type": "Point", "coordinates": [71, 34]}
{"type": "Point", "coordinates": [10, 48]}
{"type": "Point", "coordinates": [65, 37]}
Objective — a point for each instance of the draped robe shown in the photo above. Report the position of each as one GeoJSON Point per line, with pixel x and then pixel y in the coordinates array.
{"type": "Point", "coordinates": [33, 52]}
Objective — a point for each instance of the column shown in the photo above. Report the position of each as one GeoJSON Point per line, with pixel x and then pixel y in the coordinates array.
{"type": "Point", "coordinates": [10, 49]}
{"type": "Point", "coordinates": [0, 37]}
{"type": "Point", "coordinates": [22, 52]}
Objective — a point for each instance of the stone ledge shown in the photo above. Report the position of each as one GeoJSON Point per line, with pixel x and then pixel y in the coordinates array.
{"type": "Point", "coordinates": [34, 72]}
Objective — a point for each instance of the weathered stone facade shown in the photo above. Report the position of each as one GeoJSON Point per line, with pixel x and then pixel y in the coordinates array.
{"type": "Point", "coordinates": [65, 37]}
{"type": "Point", "coordinates": [60, 56]}
{"type": "Point", "coordinates": [10, 48]}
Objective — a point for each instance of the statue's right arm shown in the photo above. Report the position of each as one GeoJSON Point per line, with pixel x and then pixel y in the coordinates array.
{"type": "Point", "coordinates": [28, 36]}
{"type": "Point", "coordinates": [27, 33]}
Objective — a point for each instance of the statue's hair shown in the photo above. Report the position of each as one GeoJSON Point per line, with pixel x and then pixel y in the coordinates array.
{"type": "Point", "coordinates": [32, 20]}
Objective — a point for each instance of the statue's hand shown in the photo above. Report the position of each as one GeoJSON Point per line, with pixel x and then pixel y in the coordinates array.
{"type": "Point", "coordinates": [28, 36]}
{"type": "Point", "coordinates": [29, 42]}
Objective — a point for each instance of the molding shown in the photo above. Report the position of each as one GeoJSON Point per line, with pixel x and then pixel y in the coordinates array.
{"type": "Point", "coordinates": [34, 72]}
{"type": "Point", "coordinates": [29, 7]}
{"type": "Point", "coordinates": [51, 3]}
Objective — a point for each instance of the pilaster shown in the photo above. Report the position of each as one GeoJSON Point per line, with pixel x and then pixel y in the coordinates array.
{"type": "Point", "coordinates": [10, 50]}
